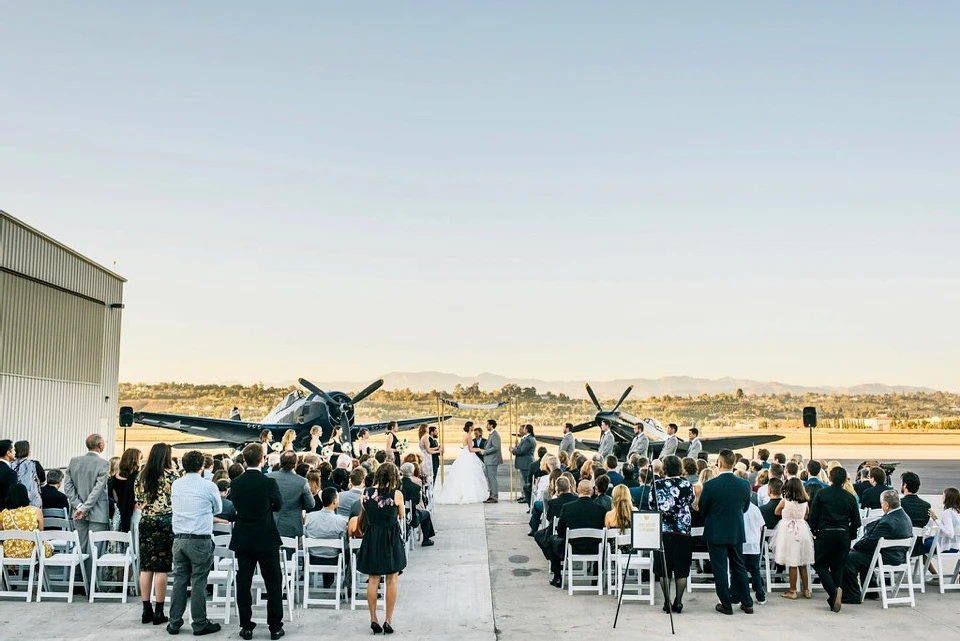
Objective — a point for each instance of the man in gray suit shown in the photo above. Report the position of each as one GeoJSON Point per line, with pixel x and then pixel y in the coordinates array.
{"type": "Point", "coordinates": [523, 459]}
{"type": "Point", "coordinates": [640, 444]}
{"type": "Point", "coordinates": [492, 458]}
{"type": "Point", "coordinates": [567, 443]}
{"type": "Point", "coordinates": [605, 448]}
{"type": "Point", "coordinates": [296, 497]}
{"type": "Point", "coordinates": [695, 447]}
{"type": "Point", "coordinates": [670, 445]}
{"type": "Point", "coordinates": [86, 489]}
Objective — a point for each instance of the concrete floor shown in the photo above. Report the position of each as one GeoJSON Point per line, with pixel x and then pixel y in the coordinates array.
{"type": "Point", "coordinates": [485, 579]}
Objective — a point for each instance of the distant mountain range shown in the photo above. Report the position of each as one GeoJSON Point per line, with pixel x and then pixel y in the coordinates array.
{"type": "Point", "coordinates": [643, 387]}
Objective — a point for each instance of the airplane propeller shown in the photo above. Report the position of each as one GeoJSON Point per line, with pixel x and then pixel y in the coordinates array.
{"type": "Point", "coordinates": [626, 393]}
{"type": "Point", "coordinates": [368, 390]}
{"type": "Point", "coordinates": [316, 390]}
{"type": "Point", "coordinates": [593, 397]}
{"type": "Point", "coordinates": [345, 408]}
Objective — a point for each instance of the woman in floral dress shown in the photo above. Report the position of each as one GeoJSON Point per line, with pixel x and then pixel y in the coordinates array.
{"type": "Point", "coordinates": [673, 497]}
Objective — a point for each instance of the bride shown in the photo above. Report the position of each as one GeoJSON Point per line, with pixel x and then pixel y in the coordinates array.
{"type": "Point", "coordinates": [464, 481]}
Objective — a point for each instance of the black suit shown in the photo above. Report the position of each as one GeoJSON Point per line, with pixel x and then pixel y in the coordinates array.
{"type": "Point", "coordinates": [554, 505]}
{"type": "Point", "coordinates": [53, 498]}
{"type": "Point", "coordinates": [918, 511]}
{"type": "Point", "coordinates": [834, 520]}
{"type": "Point", "coordinates": [871, 496]}
{"type": "Point", "coordinates": [8, 478]}
{"type": "Point", "coordinates": [256, 541]}
{"type": "Point", "coordinates": [895, 524]}
{"type": "Point", "coordinates": [413, 494]}
{"type": "Point", "coordinates": [582, 513]}
{"type": "Point", "coordinates": [481, 443]}
{"type": "Point", "coordinates": [723, 502]}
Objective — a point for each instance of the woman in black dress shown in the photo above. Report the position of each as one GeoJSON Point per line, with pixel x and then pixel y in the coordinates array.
{"type": "Point", "coordinates": [382, 553]}
{"type": "Point", "coordinates": [391, 444]}
{"type": "Point", "coordinates": [673, 497]}
{"type": "Point", "coordinates": [124, 484]}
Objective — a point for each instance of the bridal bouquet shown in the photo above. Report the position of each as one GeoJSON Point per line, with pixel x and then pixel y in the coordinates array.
{"type": "Point", "coordinates": [402, 445]}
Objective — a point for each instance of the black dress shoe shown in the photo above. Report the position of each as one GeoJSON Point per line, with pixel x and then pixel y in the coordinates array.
{"type": "Point", "coordinates": [276, 634]}
{"type": "Point", "coordinates": [210, 628]}
{"type": "Point", "coordinates": [556, 582]}
{"type": "Point", "coordinates": [723, 610]}
{"type": "Point", "coordinates": [677, 608]}
{"type": "Point", "coordinates": [172, 630]}
{"type": "Point", "coordinates": [246, 633]}
{"type": "Point", "coordinates": [747, 608]}
{"type": "Point", "coordinates": [426, 543]}
{"type": "Point", "coordinates": [666, 608]}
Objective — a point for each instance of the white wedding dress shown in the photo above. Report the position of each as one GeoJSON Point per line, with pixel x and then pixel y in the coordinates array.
{"type": "Point", "coordinates": [464, 481]}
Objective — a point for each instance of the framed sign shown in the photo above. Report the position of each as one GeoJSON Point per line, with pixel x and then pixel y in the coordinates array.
{"type": "Point", "coordinates": [645, 530]}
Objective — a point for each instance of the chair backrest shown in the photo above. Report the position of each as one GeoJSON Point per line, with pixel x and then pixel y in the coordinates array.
{"type": "Point", "coordinates": [587, 533]}
{"type": "Point", "coordinates": [18, 535]}
{"type": "Point", "coordinates": [55, 513]}
{"type": "Point", "coordinates": [886, 544]}
{"type": "Point", "coordinates": [355, 544]}
{"type": "Point", "coordinates": [311, 544]}
{"type": "Point", "coordinates": [111, 537]}
{"type": "Point", "coordinates": [223, 528]}
{"type": "Point", "coordinates": [222, 540]}
{"type": "Point", "coordinates": [71, 538]}
{"type": "Point", "coordinates": [55, 523]}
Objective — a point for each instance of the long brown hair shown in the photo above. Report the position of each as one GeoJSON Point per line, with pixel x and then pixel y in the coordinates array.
{"type": "Point", "coordinates": [951, 499]}
{"type": "Point", "coordinates": [387, 479]}
{"type": "Point", "coordinates": [793, 491]}
{"type": "Point", "coordinates": [129, 463]}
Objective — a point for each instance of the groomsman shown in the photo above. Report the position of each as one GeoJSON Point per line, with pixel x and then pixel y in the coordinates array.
{"type": "Point", "coordinates": [670, 445]}
{"type": "Point", "coordinates": [567, 442]}
{"type": "Point", "coordinates": [606, 441]}
{"type": "Point", "coordinates": [523, 458]}
{"type": "Point", "coordinates": [640, 444]}
{"type": "Point", "coordinates": [695, 447]}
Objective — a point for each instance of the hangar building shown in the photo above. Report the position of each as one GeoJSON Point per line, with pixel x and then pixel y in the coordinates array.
{"type": "Point", "coordinates": [60, 318]}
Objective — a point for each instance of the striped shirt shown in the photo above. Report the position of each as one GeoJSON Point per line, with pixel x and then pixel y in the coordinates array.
{"type": "Point", "coordinates": [195, 500]}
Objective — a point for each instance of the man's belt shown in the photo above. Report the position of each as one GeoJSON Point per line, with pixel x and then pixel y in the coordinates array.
{"type": "Point", "coordinates": [191, 536]}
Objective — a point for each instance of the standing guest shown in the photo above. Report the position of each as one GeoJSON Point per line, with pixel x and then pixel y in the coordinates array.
{"type": "Point", "coordinates": [316, 488]}
{"type": "Point", "coordinates": [8, 478]}
{"type": "Point", "coordinates": [894, 524]}
{"type": "Point", "coordinates": [835, 521]}
{"type": "Point", "coordinates": [776, 472]}
{"type": "Point", "coordinates": [640, 445]}
{"type": "Point", "coordinates": [382, 554]}
{"type": "Point", "coordinates": [86, 488]}
{"type": "Point", "coordinates": [29, 472]}
{"type": "Point", "coordinates": [423, 442]}
{"type": "Point", "coordinates": [567, 443]}
{"type": "Point", "coordinates": [390, 445]}
{"type": "Point", "coordinates": [412, 489]}
{"type": "Point", "coordinates": [793, 543]}
{"type": "Point", "coordinates": [326, 523]}
{"type": "Point", "coordinates": [673, 497]}
{"type": "Point", "coordinates": [266, 437]}
{"type": "Point", "coordinates": [722, 503]}
{"type": "Point", "coordinates": [286, 443]}
{"type": "Point", "coordinates": [435, 451]}
{"type": "Point", "coordinates": [753, 532]}
{"type": "Point", "coordinates": [53, 498]}
{"type": "Point", "coordinates": [18, 514]}
{"type": "Point", "coordinates": [671, 443]}
{"type": "Point", "coordinates": [111, 478]}
{"type": "Point", "coordinates": [124, 487]}
{"type": "Point", "coordinates": [695, 446]}
{"type": "Point", "coordinates": [256, 542]}
{"type": "Point", "coordinates": [296, 496]}
{"type": "Point", "coordinates": [195, 501]}
{"type": "Point", "coordinates": [314, 446]}
{"type": "Point", "coordinates": [769, 509]}
{"type": "Point", "coordinates": [641, 494]}
{"type": "Point", "coordinates": [152, 494]}
{"type": "Point", "coordinates": [878, 485]}
{"type": "Point", "coordinates": [523, 459]}
{"type": "Point", "coordinates": [350, 499]}
{"type": "Point", "coordinates": [235, 470]}
{"type": "Point", "coordinates": [362, 446]}
{"type": "Point", "coordinates": [607, 442]}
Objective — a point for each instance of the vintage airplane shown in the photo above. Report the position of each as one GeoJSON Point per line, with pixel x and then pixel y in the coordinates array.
{"type": "Point", "coordinates": [621, 426]}
{"type": "Point", "coordinates": [297, 411]}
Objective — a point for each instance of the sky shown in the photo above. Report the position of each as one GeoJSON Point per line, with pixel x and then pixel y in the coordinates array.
{"type": "Point", "coordinates": [556, 190]}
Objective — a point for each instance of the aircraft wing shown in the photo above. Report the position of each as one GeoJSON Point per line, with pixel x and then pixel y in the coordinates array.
{"type": "Point", "coordinates": [404, 424]}
{"type": "Point", "coordinates": [221, 429]}
{"type": "Point", "coordinates": [204, 445]}
{"type": "Point", "coordinates": [714, 445]}
{"type": "Point", "coordinates": [577, 443]}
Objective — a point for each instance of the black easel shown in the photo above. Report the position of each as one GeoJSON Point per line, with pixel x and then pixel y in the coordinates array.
{"type": "Point", "coordinates": [663, 559]}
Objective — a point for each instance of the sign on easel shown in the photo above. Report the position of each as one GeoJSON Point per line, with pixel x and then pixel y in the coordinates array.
{"type": "Point", "coordinates": [645, 530]}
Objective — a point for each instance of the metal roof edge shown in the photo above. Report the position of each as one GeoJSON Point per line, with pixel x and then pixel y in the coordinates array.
{"type": "Point", "coordinates": [56, 242]}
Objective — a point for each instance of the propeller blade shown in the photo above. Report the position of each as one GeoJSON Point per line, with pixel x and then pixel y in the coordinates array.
{"type": "Point", "coordinates": [593, 397]}
{"type": "Point", "coordinates": [626, 393]}
{"type": "Point", "coordinates": [368, 390]}
{"type": "Point", "coordinates": [345, 432]}
{"type": "Point", "coordinates": [583, 426]}
{"type": "Point", "coordinates": [316, 390]}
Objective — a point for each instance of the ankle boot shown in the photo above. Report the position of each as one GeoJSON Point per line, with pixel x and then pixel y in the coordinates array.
{"type": "Point", "coordinates": [158, 617]}
{"type": "Point", "coordinates": [147, 616]}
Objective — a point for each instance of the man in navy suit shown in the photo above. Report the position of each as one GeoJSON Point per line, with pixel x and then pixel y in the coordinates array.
{"type": "Point", "coordinates": [723, 502]}
{"type": "Point", "coordinates": [894, 524]}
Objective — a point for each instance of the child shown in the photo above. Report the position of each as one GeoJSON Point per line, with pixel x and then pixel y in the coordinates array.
{"type": "Point", "coordinates": [753, 529]}
{"type": "Point", "coordinates": [793, 540]}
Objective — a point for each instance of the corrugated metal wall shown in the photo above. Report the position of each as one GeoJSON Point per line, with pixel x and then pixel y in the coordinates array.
{"type": "Point", "coordinates": [59, 351]}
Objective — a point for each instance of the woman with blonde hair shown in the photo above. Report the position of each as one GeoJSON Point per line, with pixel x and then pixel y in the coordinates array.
{"type": "Point", "coordinates": [286, 443]}
{"type": "Point", "coordinates": [586, 471]}
{"type": "Point", "coordinates": [707, 474]}
{"type": "Point", "coordinates": [315, 434]}
{"type": "Point", "coordinates": [619, 516]}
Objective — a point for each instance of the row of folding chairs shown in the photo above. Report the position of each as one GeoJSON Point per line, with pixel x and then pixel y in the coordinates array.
{"type": "Point", "coordinates": [107, 550]}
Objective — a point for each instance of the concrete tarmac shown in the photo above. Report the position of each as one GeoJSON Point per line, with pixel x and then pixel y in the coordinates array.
{"type": "Point", "coordinates": [486, 580]}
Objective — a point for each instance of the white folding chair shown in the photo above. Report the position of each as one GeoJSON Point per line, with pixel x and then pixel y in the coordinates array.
{"type": "Point", "coordinates": [59, 513]}
{"type": "Point", "coordinates": [635, 588]}
{"type": "Point", "coordinates": [358, 580]}
{"type": "Point", "coordinates": [882, 571]}
{"type": "Point", "coordinates": [947, 578]}
{"type": "Point", "coordinates": [67, 557]}
{"type": "Point", "coordinates": [584, 574]}
{"type": "Point", "coordinates": [769, 563]}
{"type": "Point", "coordinates": [409, 532]}
{"type": "Point", "coordinates": [222, 576]}
{"type": "Point", "coordinates": [222, 528]}
{"type": "Point", "coordinates": [20, 566]}
{"type": "Point", "coordinates": [99, 560]}
{"type": "Point", "coordinates": [918, 567]}
{"type": "Point", "coordinates": [699, 579]}
{"type": "Point", "coordinates": [321, 570]}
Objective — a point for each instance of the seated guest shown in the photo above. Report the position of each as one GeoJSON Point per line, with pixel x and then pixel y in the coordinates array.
{"type": "Point", "coordinates": [611, 467]}
{"type": "Point", "coordinates": [296, 496]}
{"type": "Point", "coordinates": [563, 496]}
{"type": "Point", "coordinates": [602, 487]}
{"type": "Point", "coordinates": [690, 470]}
{"type": "Point", "coordinates": [350, 499]}
{"type": "Point", "coordinates": [50, 493]}
{"type": "Point", "coordinates": [813, 483]}
{"type": "Point", "coordinates": [894, 524]}
{"type": "Point", "coordinates": [640, 495]}
{"type": "Point", "coordinates": [341, 479]}
{"type": "Point", "coordinates": [326, 474]}
{"type": "Point", "coordinates": [863, 482]}
{"type": "Point", "coordinates": [235, 470]}
{"type": "Point", "coordinates": [228, 513]}
{"type": "Point", "coordinates": [313, 482]}
{"type": "Point", "coordinates": [878, 485]}
{"type": "Point", "coordinates": [769, 509]}
{"type": "Point", "coordinates": [763, 476]}
{"type": "Point", "coordinates": [948, 536]}
{"type": "Point", "coordinates": [585, 512]}
{"type": "Point", "coordinates": [543, 489]}
{"type": "Point", "coordinates": [412, 489]}
{"type": "Point", "coordinates": [326, 523]}
{"type": "Point", "coordinates": [630, 477]}
{"type": "Point", "coordinates": [916, 508]}
{"type": "Point", "coordinates": [620, 517]}
{"type": "Point", "coordinates": [20, 515]}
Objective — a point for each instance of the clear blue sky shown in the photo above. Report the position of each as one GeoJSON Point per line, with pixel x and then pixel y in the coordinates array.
{"type": "Point", "coordinates": [559, 190]}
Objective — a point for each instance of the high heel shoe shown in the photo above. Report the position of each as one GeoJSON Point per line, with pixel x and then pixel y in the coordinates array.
{"type": "Point", "coordinates": [677, 608]}
{"type": "Point", "coordinates": [376, 627]}
{"type": "Point", "coordinates": [387, 628]}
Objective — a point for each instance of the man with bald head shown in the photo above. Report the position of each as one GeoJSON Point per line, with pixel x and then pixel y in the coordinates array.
{"type": "Point", "coordinates": [85, 485]}
{"type": "Point", "coordinates": [582, 513]}
{"type": "Point", "coordinates": [894, 524]}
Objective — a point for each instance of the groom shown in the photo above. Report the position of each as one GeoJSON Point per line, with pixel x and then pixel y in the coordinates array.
{"type": "Point", "coordinates": [492, 458]}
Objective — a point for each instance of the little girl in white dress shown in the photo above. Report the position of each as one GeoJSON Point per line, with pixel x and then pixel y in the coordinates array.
{"type": "Point", "coordinates": [792, 541]}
